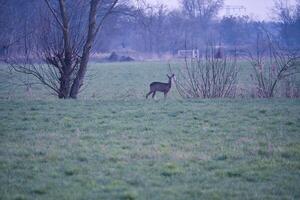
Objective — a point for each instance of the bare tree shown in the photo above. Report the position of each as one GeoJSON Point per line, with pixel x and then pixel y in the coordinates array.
{"type": "Point", "coordinates": [209, 77]}
{"type": "Point", "coordinates": [10, 36]}
{"type": "Point", "coordinates": [288, 16]}
{"type": "Point", "coordinates": [151, 21]}
{"type": "Point", "coordinates": [204, 10]}
{"type": "Point", "coordinates": [271, 64]}
{"type": "Point", "coordinates": [64, 44]}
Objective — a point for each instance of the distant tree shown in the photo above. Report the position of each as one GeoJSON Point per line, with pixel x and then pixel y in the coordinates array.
{"type": "Point", "coordinates": [15, 21]}
{"type": "Point", "coordinates": [203, 10]}
{"type": "Point", "coordinates": [152, 28]}
{"type": "Point", "coordinates": [122, 21]}
{"type": "Point", "coordinates": [150, 20]}
{"type": "Point", "coordinates": [235, 30]}
{"type": "Point", "coordinates": [200, 15]}
{"type": "Point", "coordinates": [175, 31]}
{"type": "Point", "coordinates": [289, 20]}
{"type": "Point", "coordinates": [59, 53]}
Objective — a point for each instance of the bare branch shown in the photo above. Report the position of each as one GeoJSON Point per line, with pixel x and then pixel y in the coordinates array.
{"type": "Point", "coordinates": [54, 14]}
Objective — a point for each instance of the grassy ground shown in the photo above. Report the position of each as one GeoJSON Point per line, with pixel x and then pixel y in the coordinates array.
{"type": "Point", "coordinates": [150, 150]}
{"type": "Point", "coordinates": [105, 81]}
{"type": "Point", "coordinates": [109, 81]}
{"type": "Point", "coordinates": [138, 149]}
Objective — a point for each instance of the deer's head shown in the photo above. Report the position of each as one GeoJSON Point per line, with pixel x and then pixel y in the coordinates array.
{"type": "Point", "coordinates": [170, 77]}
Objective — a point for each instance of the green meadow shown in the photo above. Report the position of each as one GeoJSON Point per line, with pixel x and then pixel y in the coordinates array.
{"type": "Point", "coordinates": [109, 81]}
{"type": "Point", "coordinates": [112, 143]}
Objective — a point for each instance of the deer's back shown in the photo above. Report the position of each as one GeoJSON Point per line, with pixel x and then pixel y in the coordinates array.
{"type": "Point", "coordinates": [158, 86]}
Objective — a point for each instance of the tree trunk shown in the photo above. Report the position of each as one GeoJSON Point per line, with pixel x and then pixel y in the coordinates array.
{"type": "Point", "coordinates": [64, 88]}
{"type": "Point", "coordinates": [78, 82]}
{"type": "Point", "coordinates": [65, 85]}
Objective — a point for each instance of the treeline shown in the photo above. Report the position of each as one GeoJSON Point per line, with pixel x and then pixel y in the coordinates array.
{"type": "Point", "coordinates": [155, 29]}
{"type": "Point", "coordinates": [151, 28]}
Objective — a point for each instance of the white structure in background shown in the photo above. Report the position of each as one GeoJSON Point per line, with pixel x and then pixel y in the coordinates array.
{"type": "Point", "coordinates": [193, 53]}
{"type": "Point", "coordinates": [235, 11]}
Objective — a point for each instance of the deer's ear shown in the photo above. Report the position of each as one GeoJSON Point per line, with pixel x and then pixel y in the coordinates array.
{"type": "Point", "coordinates": [168, 76]}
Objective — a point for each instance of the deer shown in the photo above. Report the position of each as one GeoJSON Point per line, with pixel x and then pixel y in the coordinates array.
{"type": "Point", "coordinates": [161, 87]}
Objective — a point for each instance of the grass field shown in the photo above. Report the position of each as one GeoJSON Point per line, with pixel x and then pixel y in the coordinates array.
{"type": "Point", "coordinates": [106, 81]}
{"type": "Point", "coordinates": [110, 81]}
{"type": "Point", "coordinates": [113, 144]}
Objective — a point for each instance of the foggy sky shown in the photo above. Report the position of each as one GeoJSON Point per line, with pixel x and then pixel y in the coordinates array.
{"type": "Point", "coordinates": [258, 9]}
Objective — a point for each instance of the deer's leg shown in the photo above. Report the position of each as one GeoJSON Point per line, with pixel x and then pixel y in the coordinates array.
{"type": "Point", "coordinates": [165, 94]}
{"type": "Point", "coordinates": [148, 94]}
{"type": "Point", "coordinates": [153, 94]}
